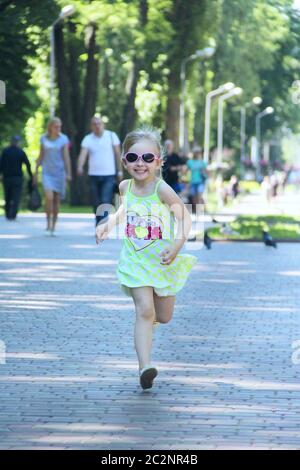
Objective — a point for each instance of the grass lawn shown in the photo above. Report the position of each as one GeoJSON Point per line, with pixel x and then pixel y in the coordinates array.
{"type": "Point", "coordinates": [249, 186]}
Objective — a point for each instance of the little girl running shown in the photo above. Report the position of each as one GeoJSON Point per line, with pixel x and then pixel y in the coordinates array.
{"type": "Point", "coordinates": [150, 269]}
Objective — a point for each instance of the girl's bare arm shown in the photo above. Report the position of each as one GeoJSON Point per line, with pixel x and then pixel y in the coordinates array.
{"type": "Point", "coordinates": [182, 215]}
{"type": "Point", "coordinates": [103, 229]}
{"type": "Point", "coordinates": [118, 217]}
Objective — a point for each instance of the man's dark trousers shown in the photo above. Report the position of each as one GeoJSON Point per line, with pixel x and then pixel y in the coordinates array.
{"type": "Point", "coordinates": [12, 194]}
{"type": "Point", "coordinates": [102, 192]}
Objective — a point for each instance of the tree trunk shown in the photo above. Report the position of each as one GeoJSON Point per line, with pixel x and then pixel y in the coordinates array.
{"type": "Point", "coordinates": [187, 20]}
{"type": "Point", "coordinates": [75, 116]}
{"type": "Point", "coordinates": [130, 113]}
{"type": "Point", "coordinates": [200, 109]}
{"type": "Point", "coordinates": [76, 107]}
{"type": "Point", "coordinates": [63, 82]}
{"type": "Point", "coordinates": [89, 105]}
{"type": "Point", "coordinates": [65, 89]}
{"type": "Point", "coordinates": [74, 81]}
{"type": "Point", "coordinates": [91, 80]}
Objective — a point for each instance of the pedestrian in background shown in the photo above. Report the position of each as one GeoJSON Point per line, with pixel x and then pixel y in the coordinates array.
{"type": "Point", "coordinates": [199, 175]}
{"type": "Point", "coordinates": [266, 188]}
{"type": "Point", "coordinates": [12, 160]}
{"type": "Point", "coordinates": [234, 187]}
{"type": "Point", "coordinates": [102, 149]}
{"type": "Point", "coordinates": [56, 170]}
{"type": "Point", "coordinates": [173, 164]}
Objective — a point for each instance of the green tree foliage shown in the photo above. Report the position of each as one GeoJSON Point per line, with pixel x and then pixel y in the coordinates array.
{"type": "Point", "coordinates": [20, 25]}
{"type": "Point", "coordinates": [122, 58]}
{"type": "Point", "coordinates": [257, 50]}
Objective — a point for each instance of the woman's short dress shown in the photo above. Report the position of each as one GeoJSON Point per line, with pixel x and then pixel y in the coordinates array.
{"type": "Point", "coordinates": [149, 230]}
{"type": "Point", "coordinates": [53, 166]}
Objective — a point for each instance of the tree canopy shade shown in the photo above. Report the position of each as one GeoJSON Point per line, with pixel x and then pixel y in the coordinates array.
{"type": "Point", "coordinates": [20, 25]}
{"type": "Point", "coordinates": [122, 58]}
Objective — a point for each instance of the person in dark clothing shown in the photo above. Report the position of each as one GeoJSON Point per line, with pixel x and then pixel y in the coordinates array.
{"type": "Point", "coordinates": [173, 163]}
{"type": "Point", "coordinates": [11, 163]}
{"type": "Point", "coordinates": [234, 187]}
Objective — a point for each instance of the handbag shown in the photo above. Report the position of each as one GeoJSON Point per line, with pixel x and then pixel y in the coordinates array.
{"type": "Point", "coordinates": [35, 199]}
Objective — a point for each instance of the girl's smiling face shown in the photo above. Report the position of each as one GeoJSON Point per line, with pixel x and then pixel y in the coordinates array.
{"type": "Point", "coordinates": [140, 170]}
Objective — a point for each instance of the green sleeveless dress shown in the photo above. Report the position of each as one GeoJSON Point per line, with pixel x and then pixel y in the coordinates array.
{"type": "Point", "coordinates": [149, 229]}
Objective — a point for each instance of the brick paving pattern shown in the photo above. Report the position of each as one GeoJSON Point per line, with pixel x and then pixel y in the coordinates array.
{"type": "Point", "coordinates": [70, 381]}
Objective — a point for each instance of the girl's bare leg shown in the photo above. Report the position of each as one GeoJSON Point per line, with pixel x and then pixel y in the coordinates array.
{"type": "Point", "coordinates": [164, 307]}
{"type": "Point", "coordinates": [145, 313]}
{"type": "Point", "coordinates": [49, 197]}
{"type": "Point", "coordinates": [56, 203]}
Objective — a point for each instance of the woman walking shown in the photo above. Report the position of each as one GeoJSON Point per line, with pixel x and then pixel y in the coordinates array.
{"type": "Point", "coordinates": [56, 170]}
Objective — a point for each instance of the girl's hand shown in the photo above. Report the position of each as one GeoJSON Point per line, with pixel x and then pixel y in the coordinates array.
{"type": "Point", "coordinates": [101, 233]}
{"type": "Point", "coordinates": [69, 178]}
{"type": "Point", "coordinates": [168, 255]}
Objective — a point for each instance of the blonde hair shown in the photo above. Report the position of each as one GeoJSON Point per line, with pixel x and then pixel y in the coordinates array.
{"type": "Point", "coordinates": [143, 133]}
{"type": "Point", "coordinates": [54, 120]}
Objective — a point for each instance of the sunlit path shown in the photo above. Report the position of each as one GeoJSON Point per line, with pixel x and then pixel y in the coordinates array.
{"type": "Point", "coordinates": [256, 203]}
{"type": "Point", "coordinates": [227, 379]}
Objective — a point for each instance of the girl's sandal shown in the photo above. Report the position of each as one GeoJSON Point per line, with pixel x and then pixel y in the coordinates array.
{"type": "Point", "coordinates": [147, 375]}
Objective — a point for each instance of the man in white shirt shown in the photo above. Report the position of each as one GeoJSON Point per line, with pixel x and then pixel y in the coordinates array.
{"type": "Point", "coordinates": [102, 148]}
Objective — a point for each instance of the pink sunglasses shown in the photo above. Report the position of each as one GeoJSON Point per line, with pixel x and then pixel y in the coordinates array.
{"type": "Point", "coordinates": [132, 157]}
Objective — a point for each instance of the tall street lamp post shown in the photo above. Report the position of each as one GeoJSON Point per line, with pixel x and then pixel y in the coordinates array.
{"type": "Point", "coordinates": [235, 92]}
{"type": "Point", "coordinates": [256, 101]}
{"type": "Point", "coordinates": [205, 53]}
{"type": "Point", "coordinates": [259, 116]}
{"type": "Point", "coordinates": [218, 91]}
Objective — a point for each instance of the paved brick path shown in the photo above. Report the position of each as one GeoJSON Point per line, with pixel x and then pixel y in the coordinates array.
{"type": "Point", "coordinates": [226, 380]}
